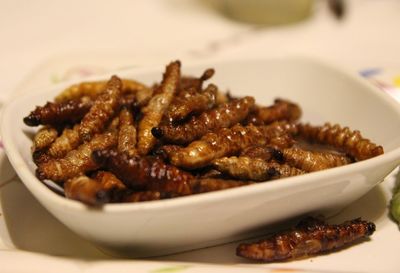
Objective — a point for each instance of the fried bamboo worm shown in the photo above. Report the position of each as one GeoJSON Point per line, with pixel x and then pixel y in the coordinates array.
{"type": "Point", "coordinates": [265, 153]}
{"type": "Point", "coordinates": [195, 83]}
{"type": "Point", "coordinates": [215, 184]}
{"type": "Point", "coordinates": [58, 113]}
{"type": "Point", "coordinates": [109, 181]}
{"type": "Point", "coordinates": [102, 110]}
{"type": "Point", "coordinates": [280, 110]}
{"type": "Point", "coordinates": [351, 142]}
{"type": "Point", "coordinates": [86, 190]}
{"type": "Point", "coordinates": [226, 142]}
{"type": "Point", "coordinates": [127, 133]}
{"type": "Point", "coordinates": [145, 172]}
{"type": "Point", "coordinates": [223, 116]}
{"type": "Point", "coordinates": [44, 138]}
{"type": "Point", "coordinates": [66, 142]}
{"type": "Point", "coordinates": [311, 161]}
{"type": "Point", "coordinates": [308, 238]}
{"type": "Point", "coordinates": [157, 106]}
{"type": "Point", "coordinates": [256, 169]}
{"type": "Point", "coordinates": [77, 161]}
{"type": "Point", "coordinates": [191, 102]}
{"type": "Point", "coordinates": [94, 89]}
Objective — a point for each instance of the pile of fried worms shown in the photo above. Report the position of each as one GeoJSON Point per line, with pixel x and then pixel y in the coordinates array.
{"type": "Point", "coordinates": [120, 141]}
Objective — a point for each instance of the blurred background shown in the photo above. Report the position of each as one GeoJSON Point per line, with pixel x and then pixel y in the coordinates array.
{"type": "Point", "coordinates": [47, 41]}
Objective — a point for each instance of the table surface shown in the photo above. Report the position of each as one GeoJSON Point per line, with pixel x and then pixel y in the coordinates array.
{"type": "Point", "coordinates": [44, 42]}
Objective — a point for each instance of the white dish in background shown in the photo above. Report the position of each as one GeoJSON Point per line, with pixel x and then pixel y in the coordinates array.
{"type": "Point", "coordinates": [166, 226]}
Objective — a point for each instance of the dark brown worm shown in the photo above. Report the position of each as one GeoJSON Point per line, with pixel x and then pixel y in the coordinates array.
{"type": "Point", "coordinates": [56, 114]}
{"type": "Point", "coordinates": [141, 196]}
{"type": "Point", "coordinates": [280, 110]}
{"type": "Point", "coordinates": [256, 169]}
{"type": "Point", "coordinates": [223, 116]}
{"type": "Point", "coordinates": [311, 161]}
{"type": "Point", "coordinates": [102, 110]}
{"type": "Point", "coordinates": [191, 102]}
{"type": "Point", "coordinates": [157, 106]}
{"type": "Point", "coordinates": [77, 161]}
{"type": "Point", "coordinates": [310, 237]}
{"type": "Point", "coordinates": [145, 172]}
{"type": "Point", "coordinates": [226, 142]}
{"type": "Point", "coordinates": [351, 142]}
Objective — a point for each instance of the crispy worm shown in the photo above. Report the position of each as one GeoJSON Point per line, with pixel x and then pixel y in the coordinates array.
{"type": "Point", "coordinates": [223, 116]}
{"type": "Point", "coordinates": [265, 153]}
{"type": "Point", "coordinates": [155, 109]}
{"type": "Point", "coordinates": [351, 142]}
{"type": "Point", "coordinates": [187, 82]}
{"type": "Point", "coordinates": [226, 142]}
{"type": "Point", "coordinates": [77, 161]}
{"type": "Point", "coordinates": [58, 113]}
{"type": "Point", "coordinates": [94, 89]}
{"type": "Point", "coordinates": [66, 142]}
{"type": "Point", "coordinates": [86, 190]}
{"type": "Point", "coordinates": [145, 172]}
{"type": "Point", "coordinates": [191, 102]}
{"type": "Point", "coordinates": [127, 133]}
{"type": "Point", "coordinates": [102, 110]}
{"type": "Point", "coordinates": [257, 169]}
{"type": "Point", "coordinates": [309, 237]}
{"type": "Point", "coordinates": [280, 110]}
{"type": "Point", "coordinates": [311, 161]}
{"type": "Point", "coordinates": [109, 181]}
{"type": "Point", "coordinates": [44, 138]}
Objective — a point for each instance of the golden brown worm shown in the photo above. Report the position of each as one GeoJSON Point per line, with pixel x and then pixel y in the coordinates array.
{"type": "Point", "coordinates": [351, 142]}
{"type": "Point", "coordinates": [311, 161]}
{"type": "Point", "coordinates": [191, 102]}
{"type": "Point", "coordinates": [265, 153]}
{"type": "Point", "coordinates": [77, 161]}
{"type": "Point", "coordinates": [155, 109]}
{"type": "Point", "coordinates": [109, 181]}
{"type": "Point", "coordinates": [308, 238]}
{"type": "Point", "coordinates": [214, 184]}
{"type": "Point", "coordinates": [127, 133]}
{"type": "Point", "coordinates": [67, 141]}
{"type": "Point", "coordinates": [226, 142]}
{"type": "Point", "coordinates": [256, 169]}
{"type": "Point", "coordinates": [86, 190]}
{"type": "Point", "coordinates": [56, 114]}
{"type": "Point", "coordinates": [102, 110]}
{"type": "Point", "coordinates": [44, 138]}
{"type": "Point", "coordinates": [223, 116]}
{"type": "Point", "coordinates": [280, 110]}
{"type": "Point", "coordinates": [145, 172]}
{"type": "Point", "coordinates": [93, 89]}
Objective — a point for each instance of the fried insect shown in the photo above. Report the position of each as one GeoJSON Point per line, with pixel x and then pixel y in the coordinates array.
{"type": "Point", "coordinates": [265, 153]}
{"type": "Point", "coordinates": [86, 190]}
{"type": "Point", "coordinates": [351, 142]}
{"type": "Point", "coordinates": [155, 109]}
{"type": "Point", "coordinates": [93, 89]}
{"type": "Point", "coordinates": [226, 142]}
{"type": "Point", "coordinates": [148, 172]}
{"type": "Point", "coordinates": [102, 110]}
{"type": "Point", "coordinates": [44, 138]}
{"type": "Point", "coordinates": [311, 161]}
{"type": "Point", "coordinates": [109, 181]}
{"type": "Point", "coordinates": [309, 237]}
{"type": "Point", "coordinates": [58, 113]}
{"type": "Point", "coordinates": [127, 133]}
{"type": "Point", "coordinates": [223, 116]}
{"type": "Point", "coordinates": [77, 161]}
{"type": "Point", "coordinates": [280, 110]}
{"type": "Point", "coordinates": [214, 184]}
{"type": "Point", "coordinates": [246, 168]}
{"type": "Point", "coordinates": [188, 82]}
{"type": "Point", "coordinates": [191, 102]}
{"type": "Point", "coordinates": [66, 142]}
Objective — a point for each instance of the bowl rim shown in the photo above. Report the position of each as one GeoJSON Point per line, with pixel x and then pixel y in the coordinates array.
{"type": "Point", "coordinates": [40, 189]}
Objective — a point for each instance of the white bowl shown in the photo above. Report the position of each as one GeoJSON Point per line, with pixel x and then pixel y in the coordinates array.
{"type": "Point", "coordinates": [166, 226]}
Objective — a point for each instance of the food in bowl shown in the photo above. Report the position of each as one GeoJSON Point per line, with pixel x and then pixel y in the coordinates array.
{"type": "Point", "coordinates": [122, 141]}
